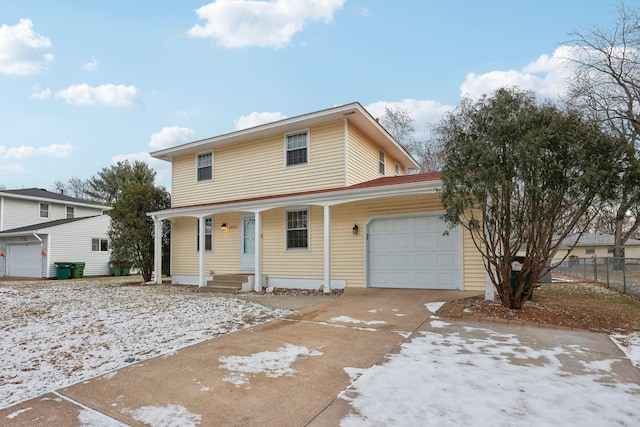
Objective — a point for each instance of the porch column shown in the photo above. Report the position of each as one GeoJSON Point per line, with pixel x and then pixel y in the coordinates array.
{"type": "Point", "coordinates": [327, 249]}
{"type": "Point", "coordinates": [201, 247]}
{"type": "Point", "coordinates": [157, 250]}
{"type": "Point", "coordinates": [258, 252]}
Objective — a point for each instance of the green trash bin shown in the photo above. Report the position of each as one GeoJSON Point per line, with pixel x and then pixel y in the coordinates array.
{"type": "Point", "coordinates": [63, 270]}
{"type": "Point", "coordinates": [77, 271]}
{"type": "Point", "coordinates": [114, 269]}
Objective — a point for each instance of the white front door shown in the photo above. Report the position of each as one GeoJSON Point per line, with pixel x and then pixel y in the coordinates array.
{"type": "Point", "coordinates": [248, 244]}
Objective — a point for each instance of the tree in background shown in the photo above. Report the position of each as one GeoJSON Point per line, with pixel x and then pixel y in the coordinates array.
{"type": "Point", "coordinates": [606, 88]}
{"type": "Point", "coordinates": [132, 232]}
{"type": "Point", "coordinates": [519, 177]}
{"type": "Point", "coordinates": [398, 122]}
{"type": "Point", "coordinates": [74, 187]}
{"type": "Point", "coordinates": [130, 189]}
{"type": "Point", "coordinates": [110, 182]}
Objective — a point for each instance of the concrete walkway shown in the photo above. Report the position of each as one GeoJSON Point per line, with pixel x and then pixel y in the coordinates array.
{"type": "Point", "coordinates": [287, 372]}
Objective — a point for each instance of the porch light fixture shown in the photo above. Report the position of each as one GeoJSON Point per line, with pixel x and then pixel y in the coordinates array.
{"type": "Point", "coordinates": [224, 227]}
{"type": "Point", "coordinates": [355, 229]}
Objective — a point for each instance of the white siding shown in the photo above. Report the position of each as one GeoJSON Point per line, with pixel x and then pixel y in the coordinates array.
{"type": "Point", "coordinates": [72, 242]}
{"type": "Point", "coordinates": [20, 213]}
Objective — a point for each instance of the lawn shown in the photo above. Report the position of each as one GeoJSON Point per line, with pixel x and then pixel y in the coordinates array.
{"type": "Point", "coordinates": [54, 334]}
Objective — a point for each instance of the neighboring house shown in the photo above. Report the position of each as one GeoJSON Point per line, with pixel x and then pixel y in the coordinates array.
{"type": "Point", "coordinates": [315, 200]}
{"type": "Point", "coordinates": [39, 228]}
{"type": "Point", "coordinates": [597, 245]}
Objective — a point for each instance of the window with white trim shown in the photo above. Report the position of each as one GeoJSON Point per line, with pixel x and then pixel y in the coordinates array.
{"type": "Point", "coordinates": [205, 167]}
{"type": "Point", "coordinates": [396, 167]}
{"type": "Point", "coordinates": [589, 250]}
{"type": "Point", "coordinates": [70, 212]}
{"type": "Point", "coordinates": [297, 148]}
{"type": "Point", "coordinates": [208, 234]}
{"type": "Point", "coordinates": [99, 245]}
{"type": "Point", "coordinates": [298, 229]}
{"type": "Point", "coordinates": [44, 210]}
{"type": "Point", "coordinates": [382, 160]}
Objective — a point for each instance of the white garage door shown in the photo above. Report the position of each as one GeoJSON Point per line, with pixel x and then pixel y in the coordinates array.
{"type": "Point", "coordinates": [24, 260]}
{"type": "Point", "coordinates": [412, 252]}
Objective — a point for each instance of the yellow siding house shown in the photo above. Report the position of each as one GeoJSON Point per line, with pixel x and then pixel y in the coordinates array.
{"type": "Point", "coordinates": [318, 201]}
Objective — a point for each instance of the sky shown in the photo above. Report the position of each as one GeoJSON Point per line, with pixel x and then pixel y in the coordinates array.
{"type": "Point", "coordinates": [84, 85]}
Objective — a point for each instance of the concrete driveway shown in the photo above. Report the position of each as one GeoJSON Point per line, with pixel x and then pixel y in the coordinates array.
{"type": "Point", "coordinates": [287, 372]}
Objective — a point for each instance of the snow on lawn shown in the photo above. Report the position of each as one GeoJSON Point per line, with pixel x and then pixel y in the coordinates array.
{"type": "Point", "coordinates": [53, 334]}
{"type": "Point", "coordinates": [445, 379]}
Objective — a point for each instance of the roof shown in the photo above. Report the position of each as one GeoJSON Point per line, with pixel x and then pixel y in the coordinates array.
{"type": "Point", "coordinates": [41, 225]}
{"type": "Point", "coordinates": [595, 239]}
{"type": "Point", "coordinates": [42, 194]}
{"type": "Point", "coordinates": [355, 113]}
{"type": "Point", "coordinates": [393, 186]}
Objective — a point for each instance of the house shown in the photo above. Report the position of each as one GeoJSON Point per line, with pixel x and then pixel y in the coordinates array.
{"type": "Point", "coordinates": [598, 245]}
{"type": "Point", "coordinates": [39, 228]}
{"type": "Point", "coordinates": [317, 201]}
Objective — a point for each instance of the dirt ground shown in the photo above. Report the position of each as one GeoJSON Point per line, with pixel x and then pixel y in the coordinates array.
{"type": "Point", "coordinates": [589, 306]}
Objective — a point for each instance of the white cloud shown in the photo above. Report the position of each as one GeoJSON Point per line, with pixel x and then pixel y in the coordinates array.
{"type": "Point", "coordinates": [545, 76]}
{"type": "Point", "coordinates": [40, 93]}
{"type": "Point", "coordinates": [57, 150]}
{"type": "Point", "coordinates": [27, 151]}
{"type": "Point", "coordinates": [423, 112]}
{"type": "Point", "coordinates": [186, 113]}
{"type": "Point", "coordinates": [90, 66]}
{"type": "Point", "coordinates": [109, 95]}
{"type": "Point", "coordinates": [243, 23]}
{"type": "Point", "coordinates": [255, 119]}
{"type": "Point", "coordinates": [20, 49]}
{"type": "Point", "coordinates": [170, 136]}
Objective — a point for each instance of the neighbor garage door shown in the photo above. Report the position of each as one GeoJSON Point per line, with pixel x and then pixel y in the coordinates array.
{"type": "Point", "coordinates": [24, 260]}
{"type": "Point", "coordinates": [412, 252]}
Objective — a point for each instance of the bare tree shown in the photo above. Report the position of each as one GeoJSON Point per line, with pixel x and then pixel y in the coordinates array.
{"type": "Point", "coordinates": [74, 187]}
{"type": "Point", "coordinates": [398, 122]}
{"type": "Point", "coordinates": [606, 87]}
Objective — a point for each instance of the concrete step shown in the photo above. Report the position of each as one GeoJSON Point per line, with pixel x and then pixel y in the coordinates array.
{"type": "Point", "coordinates": [226, 283]}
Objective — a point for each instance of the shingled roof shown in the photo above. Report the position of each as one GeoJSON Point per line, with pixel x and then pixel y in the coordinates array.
{"type": "Point", "coordinates": [41, 193]}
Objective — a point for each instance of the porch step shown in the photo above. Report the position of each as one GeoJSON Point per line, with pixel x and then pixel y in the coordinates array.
{"type": "Point", "coordinates": [226, 283]}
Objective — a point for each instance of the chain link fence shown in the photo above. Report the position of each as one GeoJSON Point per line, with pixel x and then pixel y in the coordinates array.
{"type": "Point", "coordinates": [622, 274]}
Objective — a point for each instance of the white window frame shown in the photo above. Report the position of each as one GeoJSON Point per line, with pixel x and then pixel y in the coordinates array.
{"type": "Point", "coordinates": [207, 218]}
{"type": "Point", "coordinates": [97, 242]}
{"type": "Point", "coordinates": [286, 229]}
{"type": "Point", "coordinates": [46, 211]}
{"type": "Point", "coordinates": [307, 147]}
{"type": "Point", "coordinates": [382, 162]}
{"type": "Point", "coordinates": [198, 155]}
{"type": "Point", "coordinates": [396, 168]}
{"type": "Point", "coordinates": [70, 209]}
{"type": "Point", "coordinates": [589, 250]}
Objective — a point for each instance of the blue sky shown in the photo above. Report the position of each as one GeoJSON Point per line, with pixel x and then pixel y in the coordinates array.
{"type": "Point", "coordinates": [84, 84]}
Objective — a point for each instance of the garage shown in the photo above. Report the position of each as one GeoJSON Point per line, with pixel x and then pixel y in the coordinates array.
{"type": "Point", "coordinates": [413, 252]}
{"type": "Point", "coordinates": [24, 260]}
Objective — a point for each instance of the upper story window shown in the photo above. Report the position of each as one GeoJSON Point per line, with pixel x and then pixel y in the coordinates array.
{"type": "Point", "coordinates": [382, 160]}
{"type": "Point", "coordinates": [396, 167]}
{"type": "Point", "coordinates": [298, 229]}
{"type": "Point", "coordinates": [297, 148]}
{"type": "Point", "coordinates": [70, 212]}
{"type": "Point", "coordinates": [205, 167]}
{"type": "Point", "coordinates": [208, 234]}
{"type": "Point", "coordinates": [44, 210]}
{"type": "Point", "coordinates": [99, 245]}
{"type": "Point", "coordinates": [590, 250]}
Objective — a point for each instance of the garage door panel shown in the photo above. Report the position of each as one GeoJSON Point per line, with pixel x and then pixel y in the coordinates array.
{"type": "Point", "coordinates": [413, 252]}
{"type": "Point", "coordinates": [24, 260]}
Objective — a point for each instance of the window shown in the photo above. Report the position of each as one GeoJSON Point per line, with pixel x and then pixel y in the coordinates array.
{"type": "Point", "coordinates": [44, 210]}
{"type": "Point", "coordinates": [396, 167]}
{"type": "Point", "coordinates": [381, 161]}
{"type": "Point", "coordinates": [70, 212]}
{"type": "Point", "coordinates": [99, 245]}
{"type": "Point", "coordinates": [610, 250]}
{"type": "Point", "coordinates": [205, 167]}
{"type": "Point", "coordinates": [208, 234]}
{"type": "Point", "coordinates": [590, 250]}
{"type": "Point", "coordinates": [298, 229]}
{"type": "Point", "coordinates": [297, 145]}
